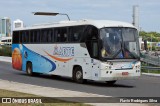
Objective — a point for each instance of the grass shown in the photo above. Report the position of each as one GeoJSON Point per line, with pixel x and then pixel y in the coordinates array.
{"type": "Point", "coordinates": [151, 71]}
{"type": "Point", "coordinates": [6, 93]}
{"type": "Point", "coordinates": [5, 51]}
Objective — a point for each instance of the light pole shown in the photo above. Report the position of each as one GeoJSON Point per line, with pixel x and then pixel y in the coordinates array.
{"type": "Point", "coordinates": [50, 14]}
{"type": "Point", "coordinates": [151, 42]}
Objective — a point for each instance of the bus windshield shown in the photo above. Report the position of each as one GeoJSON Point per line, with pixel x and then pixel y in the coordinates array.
{"type": "Point", "coordinates": [119, 43]}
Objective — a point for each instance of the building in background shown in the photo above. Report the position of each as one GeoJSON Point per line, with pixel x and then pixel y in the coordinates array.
{"type": "Point", "coordinates": [5, 27]}
{"type": "Point", "coordinates": [5, 31]}
{"type": "Point", "coordinates": [0, 28]}
{"type": "Point", "coordinates": [18, 24]}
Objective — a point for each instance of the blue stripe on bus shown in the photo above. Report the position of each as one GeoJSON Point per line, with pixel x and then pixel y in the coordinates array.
{"type": "Point", "coordinates": [44, 64]}
{"type": "Point", "coordinates": [52, 63]}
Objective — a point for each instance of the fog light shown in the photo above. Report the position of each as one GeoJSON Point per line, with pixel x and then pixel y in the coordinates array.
{"type": "Point", "coordinates": [107, 67]}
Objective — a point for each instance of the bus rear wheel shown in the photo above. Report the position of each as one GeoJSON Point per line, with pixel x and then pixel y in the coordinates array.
{"type": "Point", "coordinates": [78, 75]}
{"type": "Point", "coordinates": [29, 69]}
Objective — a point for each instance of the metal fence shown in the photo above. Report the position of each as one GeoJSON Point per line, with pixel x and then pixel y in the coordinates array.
{"type": "Point", "coordinates": [154, 60]}
{"type": "Point", "coordinates": [150, 68]}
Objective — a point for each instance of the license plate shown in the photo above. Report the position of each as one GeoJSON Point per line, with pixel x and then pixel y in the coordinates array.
{"type": "Point", "coordinates": [125, 73]}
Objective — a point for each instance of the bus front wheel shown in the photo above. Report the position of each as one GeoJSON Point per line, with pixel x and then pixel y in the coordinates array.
{"type": "Point", "coordinates": [29, 69]}
{"type": "Point", "coordinates": [78, 75]}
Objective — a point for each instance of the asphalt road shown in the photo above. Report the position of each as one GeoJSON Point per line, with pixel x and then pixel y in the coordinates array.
{"type": "Point", "coordinates": [145, 86]}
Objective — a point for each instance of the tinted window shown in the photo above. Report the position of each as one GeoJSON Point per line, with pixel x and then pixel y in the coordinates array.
{"type": "Point", "coordinates": [31, 36]}
{"type": "Point", "coordinates": [25, 36]}
{"type": "Point", "coordinates": [16, 37]}
{"type": "Point", "coordinates": [20, 37]}
{"type": "Point", "coordinates": [47, 35]}
{"type": "Point", "coordinates": [75, 33]}
{"type": "Point", "coordinates": [60, 34]}
{"type": "Point", "coordinates": [44, 35]}
{"type": "Point", "coordinates": [35, 36]}
{"type": "Point", "coordinates": [50, 37]}
{"type": "Point", "coordinates": [92, 33]}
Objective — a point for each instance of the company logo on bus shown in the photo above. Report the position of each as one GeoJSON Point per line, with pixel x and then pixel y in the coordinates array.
{"type": "Point", "coordinates": [63, 51]}
{"type": "Point", "coordinates": [62, 54]}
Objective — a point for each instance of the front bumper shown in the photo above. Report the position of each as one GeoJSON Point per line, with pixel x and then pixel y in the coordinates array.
{"type": "Point", "coordinates": [110, 75]}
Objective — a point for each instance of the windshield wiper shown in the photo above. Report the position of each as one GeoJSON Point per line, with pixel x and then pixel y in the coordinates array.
{"type": "Point", "coordinates": [123, 49]}
{"type": "Point", "coordinates": [130, 53]}
{"type": "Point", "coordinates": [115, 55]}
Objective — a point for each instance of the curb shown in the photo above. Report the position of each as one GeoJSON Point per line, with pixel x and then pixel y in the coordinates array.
{"type": "Point", "coordinates": [55, 92]}
{"type": "Point", "coordinates": [43, 91]}
{"type": "Point", "coordinates": [6, 59]}
{"type": "Point", "coordinates": [151, 74]}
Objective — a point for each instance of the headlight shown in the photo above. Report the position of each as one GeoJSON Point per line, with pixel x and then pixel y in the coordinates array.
{"type": "Point", "coordinates": [108, 67]}
{"type": "Point", "coordinates": [138, 67]}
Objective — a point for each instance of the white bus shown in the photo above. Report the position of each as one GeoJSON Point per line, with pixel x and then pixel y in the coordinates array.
{"type": "Point", "coordinates": [6, 41]}
{"type": "Point", "coordinates": [98, 50]}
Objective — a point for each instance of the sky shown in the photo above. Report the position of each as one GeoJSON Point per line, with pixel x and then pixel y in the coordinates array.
{"type": "Point", "coordinates": [120, 10]}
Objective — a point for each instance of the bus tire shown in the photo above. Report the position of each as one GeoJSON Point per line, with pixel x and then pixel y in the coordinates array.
{"type": "Point", "coordinates": [78, 75]}
{"type": "Point", "coordinates": [111, 82]}
{"type": "Point", "coordinates": [29, 69]}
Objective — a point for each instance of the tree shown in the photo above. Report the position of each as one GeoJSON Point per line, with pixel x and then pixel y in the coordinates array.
{"type": "Point", "coordinates": [150, 36]}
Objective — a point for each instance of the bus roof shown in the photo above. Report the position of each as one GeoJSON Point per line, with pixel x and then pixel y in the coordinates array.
{"type": "Point", "coordinates": [6, 38]}
{"type": "Point", "coordinates": [96, 23]}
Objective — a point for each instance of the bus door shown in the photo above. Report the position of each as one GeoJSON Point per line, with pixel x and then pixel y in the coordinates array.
{"type": "Point", "coordinates": [92, 47]}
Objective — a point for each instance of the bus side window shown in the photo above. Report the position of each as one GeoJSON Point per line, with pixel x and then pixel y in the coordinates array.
{"type": "Point", "coordinates": [63, 35]}
{"type": "Point", "coordinates": [25, 36]}
{"type": "Point", "coordinates": [75, 33]}
{"type": "Point", "coordinates": [31, 36]}
{"type": "Point", "coordinates": [37, 36]}
{"type": "Point", "coordinates": [53, 36]}
{"type": "Point", "coordinates": [20, 37]}
{"type": "Point", "coordinates": [16, 37]}
{"type": "Point", "coordinates": [92, 33]}
{"type": "Point", "coordinates": [57, 34]}
{"type": "Point", "coordinates": [44, 36]}
{"type": "Point", "coordinates": [49, 37]}
{"type": "Point", "coordinates": [60, 34]}
{"type": "Point", "coordinates": [34, 38]}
